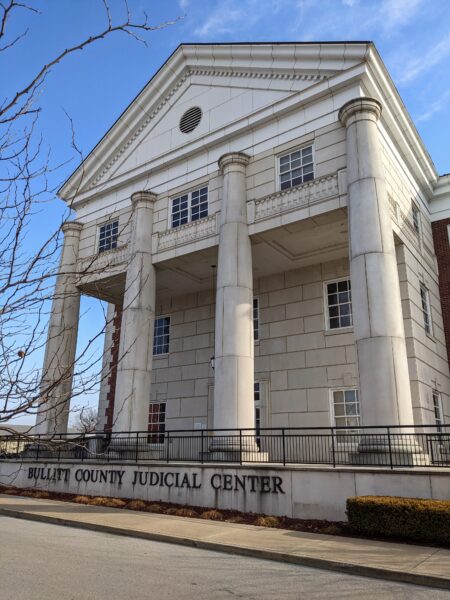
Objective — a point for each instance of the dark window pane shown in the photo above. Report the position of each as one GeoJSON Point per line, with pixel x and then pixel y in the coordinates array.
{"type": "Point", "coordinates": [345, 321]}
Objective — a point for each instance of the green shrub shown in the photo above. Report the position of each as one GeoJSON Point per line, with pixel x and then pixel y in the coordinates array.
{"type": "Point", "coordinates": [415, 519]}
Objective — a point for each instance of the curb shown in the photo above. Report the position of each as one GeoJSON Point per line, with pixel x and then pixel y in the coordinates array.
{"type": "Point", "coordinates": [307, 561]}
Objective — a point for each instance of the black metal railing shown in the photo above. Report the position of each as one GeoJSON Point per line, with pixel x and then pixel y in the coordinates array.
{"type": "Point", "coordinates": [387, 446]}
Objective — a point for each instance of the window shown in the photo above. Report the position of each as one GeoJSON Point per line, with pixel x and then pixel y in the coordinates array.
{"type": "Point", "coordinates": [426, 308]}
{"type": "Point", "coordinates": [256, 319]}
{"type": "Point", "coordinates": [108, 234]}
{"type": "Point", "coordinates": [161, 336]}
{"type": "Point", "coordinates": [437, 407]}
{"type": "Point", "coordinates": [296, 167]}
{"type": "Point", "coordinates": [257, 398]}
{"type": "Point", "coordinates": [190, 207]}
{"type": "Point", "coordinates": [416, 217]}
{"type": "Point", "coordinates": [339, 304]}
{"type": "Point", "coordinates": [156, 422]}
{"type": "Point", "coordinates": [346, 409]}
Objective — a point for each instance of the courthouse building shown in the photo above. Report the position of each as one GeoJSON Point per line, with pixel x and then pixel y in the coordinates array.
{"type": "Point", "coordinates": [272, 238]}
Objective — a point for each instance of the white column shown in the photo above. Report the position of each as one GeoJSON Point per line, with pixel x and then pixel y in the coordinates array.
{"type": "Point", "coordinates": [59, 360]}
{"type": "Point", "coordinates": [134, 370]}
{"type": "Point", "coordinates": [234, 352]}
{"type": "Point", "coordinates": [384, 385]}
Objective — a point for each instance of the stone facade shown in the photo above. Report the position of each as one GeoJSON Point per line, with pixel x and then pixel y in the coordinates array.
{"type": "Point", "coordinates": [245, 291]}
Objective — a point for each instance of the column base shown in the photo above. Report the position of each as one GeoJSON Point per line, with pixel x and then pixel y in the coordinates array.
{"type": "Point", "coordinates": [235, 449]}
{"type": "Point", "coordinates": [399, 453]}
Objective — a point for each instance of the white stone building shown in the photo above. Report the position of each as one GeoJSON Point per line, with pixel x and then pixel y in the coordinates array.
{"type": "Point", "coordinates": [260, 219]}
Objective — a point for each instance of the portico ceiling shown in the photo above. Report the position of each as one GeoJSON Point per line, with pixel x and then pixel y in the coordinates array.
{"type": "Point", "coordinates": [310, 241]}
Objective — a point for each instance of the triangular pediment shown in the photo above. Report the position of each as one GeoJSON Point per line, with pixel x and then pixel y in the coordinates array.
{"type": "Point", "coordinates": [221, 106]}
{"type": "Point", "coordinates": [230, 83]}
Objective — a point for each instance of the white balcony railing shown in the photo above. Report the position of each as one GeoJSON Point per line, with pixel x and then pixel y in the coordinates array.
{"type": "Point", "coordinates": [188, 233]}
{"type": "Point", "coordinates": [306, 194]}
{"type": "Point", "coordinates": [98, 263]}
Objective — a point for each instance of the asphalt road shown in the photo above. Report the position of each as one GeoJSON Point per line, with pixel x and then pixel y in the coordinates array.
{"type": "Point", "coordinates": [51, 562]}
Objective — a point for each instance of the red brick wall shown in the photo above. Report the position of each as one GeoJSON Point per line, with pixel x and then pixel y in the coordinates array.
{"type": "Point", "coordinates": [110, 396]}
{"type": "Point", "coordinates": [442, 249]}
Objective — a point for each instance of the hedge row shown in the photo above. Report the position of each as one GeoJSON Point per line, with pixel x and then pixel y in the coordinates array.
{"type": "Point", "coordinates": [413, 519]}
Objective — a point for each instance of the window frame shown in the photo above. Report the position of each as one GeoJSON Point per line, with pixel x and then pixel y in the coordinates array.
{"type": "Point", "coordinates": [341, 434]}
{"type": "Point", "coordinates": [111, 222]}
{"type": "Point", "coordinates": [256, 321]}
{"type": "Point", "coordinates": [160, 434]}
{"type": "Point", "coordinates": [344, 328]}
{"type": "Point", "coordinates": [438, 419]}
{"type": "Point", "coordinates": [189, 194]}
{"type": "Point", "coordinates": [281, 155]}
{"type": "Point", "coordinates": [257, 389]}
{"type": "Point", "coordinates": [416, 217]}
{"type": "Point", "coordinates": [160, 354]}
{"type": "Point", "coordinates": [427, 314]}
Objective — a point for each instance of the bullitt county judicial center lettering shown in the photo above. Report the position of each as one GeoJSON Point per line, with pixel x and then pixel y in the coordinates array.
{"type": "Point", "coordinates": [229, 482]}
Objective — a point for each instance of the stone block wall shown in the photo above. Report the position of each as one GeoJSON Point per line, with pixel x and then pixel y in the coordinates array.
{"type": "Point", "coordinates": [427, 357]}
{"type": "Point", "coordinates": [297, 362]}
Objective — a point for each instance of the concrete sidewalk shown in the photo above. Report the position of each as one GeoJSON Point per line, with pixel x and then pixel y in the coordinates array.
{"type": "Point", "coordinates": [421, 565]}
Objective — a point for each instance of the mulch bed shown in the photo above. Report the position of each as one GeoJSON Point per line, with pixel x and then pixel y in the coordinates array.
{"type": "Point", "coordinates": [230, 516]}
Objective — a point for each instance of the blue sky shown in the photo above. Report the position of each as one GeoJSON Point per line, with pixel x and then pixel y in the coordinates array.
{"type": "Point", "coordinates": [96, 85]}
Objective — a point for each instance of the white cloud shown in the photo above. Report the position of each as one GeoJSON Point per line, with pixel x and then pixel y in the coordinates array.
{"type": "Point", "coordinates": [183, 4]}
{"type": "Point", "coordinates": [435, 107]}
{"type": "Point", "coordinates": [417, 65]}
{"type": "Point", "coordinates": [394, 14]}
{"type": "Point", "coordinates": [232, 16]}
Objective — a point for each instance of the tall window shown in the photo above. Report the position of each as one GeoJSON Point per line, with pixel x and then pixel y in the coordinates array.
{"type": "Point", "coordinates": [339, 304]}
{"type": "Point", "coordinates": [161, 336]}
{"type": "Point", "coordinates": [256, 319]}
{"type": "Point", "coordinates": [416, 217]}
{"type": "Point", "coordinates": [346, 408]}
{"type": "Point", "coordinates": [156, 422]}
{"type": "Point", "coordinates": [190, 207]}
{"type": "Point", "coordinates": [437, 408]}
{"type": "Point", "coordinates": [426, 308]}
{"type": "Point", "coordinates": [296, 167]}
{"type": "Point", "coordinates": [108, 235]}
{"type": "Point", "coordinates": [257, 398]}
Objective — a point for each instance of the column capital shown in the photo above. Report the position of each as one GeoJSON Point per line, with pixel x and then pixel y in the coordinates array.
{"type": "Point", "coordinates": [74, 226]}
{"type": "Point", "coordinates": [233, 158]}
{"type": "Point", "coordinates": [359, 108]}
{"type": "Point", "coordinates": [143, 197]}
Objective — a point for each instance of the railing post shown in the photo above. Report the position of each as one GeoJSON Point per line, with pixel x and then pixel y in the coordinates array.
{"type": "Point", "coordinates": [201, 450]}
{"type": "Point", "coordinates": [83, 446]}
{"type": "Point", "coordinates": [38, 447]}
{"type": "Point", "coordinates": [333, 448]}
{"type": "Point", "coordinates": [240, 446]}
{"type": "Point", "coordinates": [137, 446]}
{"type": "Point", "coordinates": [168, 447]}
{"type": "Point", "coordinates": [390, 447]}
{"type": "Point", "coordinates": [59, 447]}
{"type": "Point", "coordinates": [283, 437]}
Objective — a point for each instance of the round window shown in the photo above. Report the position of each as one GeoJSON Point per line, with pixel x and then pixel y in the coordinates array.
{"type": "Point", "coordinates": [190, 119]}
